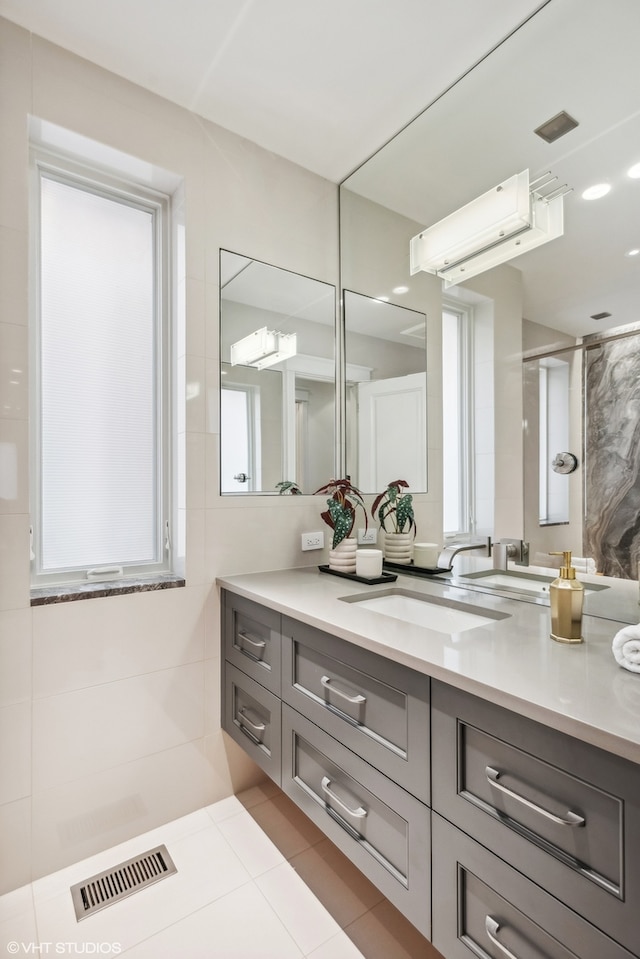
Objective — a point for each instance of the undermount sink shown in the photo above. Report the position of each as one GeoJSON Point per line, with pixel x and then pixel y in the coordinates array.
{"type": "Point", "coordinates": [532, 584]}
{"type": "Point", "coordinates": [434, 612]}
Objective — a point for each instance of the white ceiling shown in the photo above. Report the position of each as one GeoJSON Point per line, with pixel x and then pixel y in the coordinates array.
{"type": "Point", "coordinates": [327, 84]}
{"type": "Point", "coordinates": [324, 84]}
{"type": "Point", "coordinates": [267, 287]}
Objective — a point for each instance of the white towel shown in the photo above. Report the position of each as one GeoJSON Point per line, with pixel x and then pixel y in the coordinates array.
{"type": "Point", "coordinates": [581, 564]}
{"type": "Point", "coordinates": [626, 648]}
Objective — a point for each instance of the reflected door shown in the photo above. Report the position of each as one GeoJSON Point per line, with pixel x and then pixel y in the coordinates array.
{"type": "Point", "coordinates": [239, 466]}
{"type": "Point", "coordinates": [392, 431]}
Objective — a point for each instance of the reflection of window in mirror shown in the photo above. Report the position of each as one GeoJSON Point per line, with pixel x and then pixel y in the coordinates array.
{"type": "Point", "coordinates": [468, 416]}
{"type": "Point", "coordinates": [553, 412]}
{"type": "Point", "coordinates": [456, 420]}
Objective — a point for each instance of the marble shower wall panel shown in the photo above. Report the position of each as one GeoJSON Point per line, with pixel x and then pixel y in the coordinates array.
{"type": "Point", "coordinates": [612, 456]}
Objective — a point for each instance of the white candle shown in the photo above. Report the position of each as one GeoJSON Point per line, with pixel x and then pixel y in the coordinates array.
{"type": "Point", "coordinates": [426, 555]}
{"type": "Point", "coordinates": [369, 563]}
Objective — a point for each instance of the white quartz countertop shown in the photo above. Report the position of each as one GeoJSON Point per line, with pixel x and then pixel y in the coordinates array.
{"type": "Point", "coordinates": [577, 689]}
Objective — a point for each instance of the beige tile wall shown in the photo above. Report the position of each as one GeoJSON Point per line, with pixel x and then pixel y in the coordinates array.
{"type": "Point", "coordinates": [109, 708]}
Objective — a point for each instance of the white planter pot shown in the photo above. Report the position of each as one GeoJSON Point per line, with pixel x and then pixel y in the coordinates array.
{"type": "Point", "coordinates": [398, 548]}
{"type": "Point", "coordinates": [343, 557]}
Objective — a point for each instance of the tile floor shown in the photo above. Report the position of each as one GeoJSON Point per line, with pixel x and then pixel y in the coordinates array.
{"type": "Point", "coordinates": [256, 880]}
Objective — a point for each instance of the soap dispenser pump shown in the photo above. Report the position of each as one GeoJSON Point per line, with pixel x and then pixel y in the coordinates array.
{"type": "Point", "coordinates": [567, 595]}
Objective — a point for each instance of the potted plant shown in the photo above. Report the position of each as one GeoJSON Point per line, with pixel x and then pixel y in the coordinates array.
{"type": "Point", "coordinates": [288, 488]}
{"type": "Point", "coordinates": [393, 508]}
{"type": "Point", "coordinates": [340, 516]}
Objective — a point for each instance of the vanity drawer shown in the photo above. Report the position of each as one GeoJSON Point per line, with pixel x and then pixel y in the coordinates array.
{"type": "Point", "coordinates": [252, 639]}
{"type": "Point", "coordinates": [565, 813]}
{"type": "Point", "coordinates": [378, 708]}
{"type": "Point", "coordinates": [252, 716]}
{"type": "Point", "coordinates": [380, 827]}
{"type": "Point", "coordinates": [483, 907]}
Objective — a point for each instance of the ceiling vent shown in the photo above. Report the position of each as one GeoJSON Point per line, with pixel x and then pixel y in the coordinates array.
{"type": "Point", "coordinates": [556, 127]}
{"type": "Point", "coordinates": [600, 316]}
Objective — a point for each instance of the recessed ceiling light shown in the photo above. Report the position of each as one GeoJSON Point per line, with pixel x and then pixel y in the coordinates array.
{"type": "Point", "coordinates": [634, 171]}
{"type": "Point", "coordinates": [633, 252]}
{"type": "Point", "coordinates": [399, 290]}
{"type": "Point", "coordinates": [382, 299]}
{"type": "Point", "coordinates": [596, 191]}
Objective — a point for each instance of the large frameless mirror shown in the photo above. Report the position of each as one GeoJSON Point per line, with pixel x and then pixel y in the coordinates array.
{"type": "Point", "coordinates": [277, 378]}
{"type": "Point", "coordinates": [582, 128]}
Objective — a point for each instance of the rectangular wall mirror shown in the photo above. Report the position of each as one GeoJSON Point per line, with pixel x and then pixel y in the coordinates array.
{"type": "Point", "coordinates": [277, 378]}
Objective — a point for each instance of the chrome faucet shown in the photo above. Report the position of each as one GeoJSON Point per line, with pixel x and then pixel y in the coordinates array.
{"type": "Point", "coordinates": [506, 549]}
{"type": "Point", "coordinates": [448, 554]}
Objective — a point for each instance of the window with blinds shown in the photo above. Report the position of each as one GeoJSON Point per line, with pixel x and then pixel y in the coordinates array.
{"type": "Point", "coordinates": [101, 433]}
{"type": "Point", "coordinates": [457, 434]}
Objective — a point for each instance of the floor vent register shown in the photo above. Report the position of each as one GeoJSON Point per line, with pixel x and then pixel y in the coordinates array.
{"type": "Point", "coordinates": [123, 880]}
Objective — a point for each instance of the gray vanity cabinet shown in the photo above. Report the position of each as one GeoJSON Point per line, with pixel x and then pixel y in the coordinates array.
{"type": "Point", "coordinates": [562, 812]}
{"type": "Point", "coordinates": [252, 639]}
{"type": "Point", "coordinates": [379, 826]}
{"type": "Point", "coordinates": [378, 708]}
{"type": "Point", "coordinates": [252, 717]}
{"type": "Point", "coordinates": [532, 846]}
{"type": "Point", "coordinates": [482, 907]}
{"type": "Point", "coordinates": [349, 744]}
{"type": "Point", "coordinates": [251, 706]}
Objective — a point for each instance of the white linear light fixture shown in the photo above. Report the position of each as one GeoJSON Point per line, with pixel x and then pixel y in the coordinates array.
{"type": "Point", "coordinates": [504, 222]}
{"type": "Point", "coordinates": [263, 348]}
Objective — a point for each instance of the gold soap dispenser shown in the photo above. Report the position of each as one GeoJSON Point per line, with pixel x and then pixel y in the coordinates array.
{"type": "Point", "coordinates": [567, 595]}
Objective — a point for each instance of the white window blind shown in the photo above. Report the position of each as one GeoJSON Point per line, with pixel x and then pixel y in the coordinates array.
{"type": "Point", "coordinates": [452, 441]}
{"type": "Point", "coordinates": [554, 414]}
{"type": "Point", "coordinates": [99, 440]}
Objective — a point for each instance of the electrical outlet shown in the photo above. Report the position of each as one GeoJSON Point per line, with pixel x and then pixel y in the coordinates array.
{"type": "Point", "coordinates": [313, 540]}
{"type": "Point", "coordinates": [369, 535]}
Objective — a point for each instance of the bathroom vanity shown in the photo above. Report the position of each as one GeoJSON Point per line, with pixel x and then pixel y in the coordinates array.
{"type": "Point", "coordinates": [486, 779]}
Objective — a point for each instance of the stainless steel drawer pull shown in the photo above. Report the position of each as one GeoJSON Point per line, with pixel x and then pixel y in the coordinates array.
{"type": "Point", "coordinates": [258, 644]}
{"type": "Point", "coordinates": [571, 819]}
{"type": "Point", "coordinates": [358, 813]}
{"type": "Point", "coordinates": [492, 928]}
{"type": "Point", "coordinates": [356, 700]}
{"type": "Point", "coordinates": [259, 727]}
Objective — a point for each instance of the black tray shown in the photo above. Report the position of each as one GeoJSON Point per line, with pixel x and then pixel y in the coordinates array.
{"type": "Point", "coordinates": [371, 580]}
{"type": "Point", "coordinates": [412, 570]}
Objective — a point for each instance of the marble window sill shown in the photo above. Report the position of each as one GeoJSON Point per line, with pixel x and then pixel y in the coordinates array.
{"type": "Point", "coordinates": [47, 595]}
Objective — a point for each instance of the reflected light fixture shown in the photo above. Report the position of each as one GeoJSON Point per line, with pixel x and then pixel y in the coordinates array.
{"type": "Point", "coordinates": [263, 348]}
{"type": "Point", "coordinates": [504, 222]}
